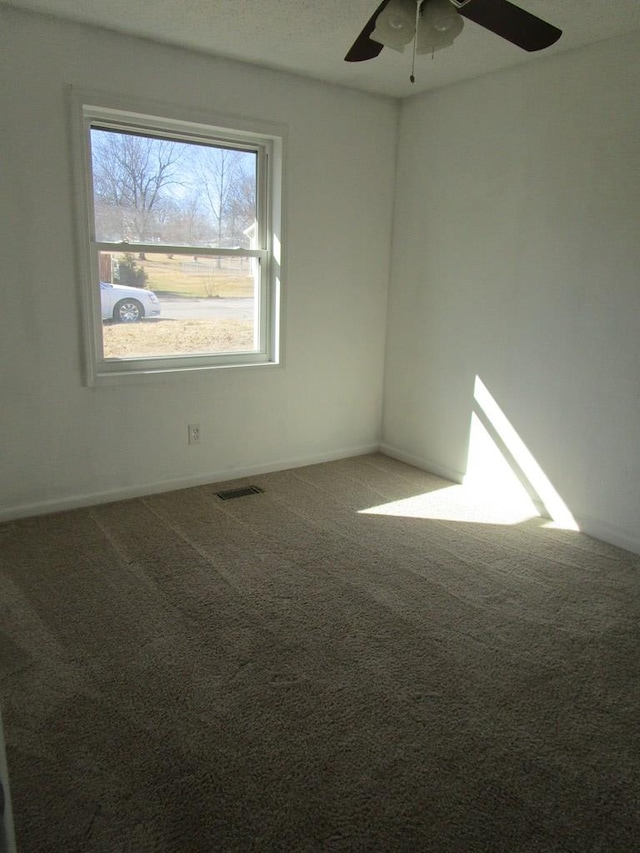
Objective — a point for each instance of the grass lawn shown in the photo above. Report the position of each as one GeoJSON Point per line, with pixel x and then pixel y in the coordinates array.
{"type": "Point", "coordinates": [184, 276]}
{"type": "Point", "coordinates": [176, 337]}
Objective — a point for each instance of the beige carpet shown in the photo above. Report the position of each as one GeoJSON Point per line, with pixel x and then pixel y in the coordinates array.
{"type": "Point", "coordinates": [286, 672]}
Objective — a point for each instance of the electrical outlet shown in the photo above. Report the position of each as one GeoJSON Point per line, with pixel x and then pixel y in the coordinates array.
{"type": "Point", "coordinates": [194, 433]}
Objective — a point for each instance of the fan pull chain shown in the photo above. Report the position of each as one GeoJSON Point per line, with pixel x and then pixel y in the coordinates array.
{"type": "Point", "coordinates": [415, 40]}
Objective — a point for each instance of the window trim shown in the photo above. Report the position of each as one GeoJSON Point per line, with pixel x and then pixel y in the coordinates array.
{"type": "Point", "coordinates": [171, 122]}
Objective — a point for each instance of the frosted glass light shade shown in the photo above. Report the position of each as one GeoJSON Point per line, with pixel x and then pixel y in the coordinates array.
{"type": "Point", "coordinates": [396, 24]}
{"type": "Point", "coordinates": [440, 24]}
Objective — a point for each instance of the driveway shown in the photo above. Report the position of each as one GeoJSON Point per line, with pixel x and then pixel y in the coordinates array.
{"type": "Point", "coordinates": [203, 309]}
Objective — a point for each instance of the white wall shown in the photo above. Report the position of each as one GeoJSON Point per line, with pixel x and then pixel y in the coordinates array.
{"type": "Point", "coordinates": [516, 258]}
{"type": "Point", "coordinates": [62, 443]}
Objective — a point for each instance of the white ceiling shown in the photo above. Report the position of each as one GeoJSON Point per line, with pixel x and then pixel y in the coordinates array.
{"type": "Point", "coordinates": [311, 37]}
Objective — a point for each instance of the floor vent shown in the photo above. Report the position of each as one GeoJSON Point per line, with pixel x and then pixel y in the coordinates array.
{"type": "Point", "coordinates": [239, 493]}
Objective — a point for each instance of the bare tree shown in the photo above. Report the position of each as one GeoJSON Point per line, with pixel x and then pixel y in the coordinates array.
{"type": "Point", "coordinates": [220, 174]}
{"type": "Point", "coordinates": [191, 223]}
{"type": "Point", "coordinates": [242, 207]}
{"type": "Point", "coordinates": [131, 175]}
{"type": "Point", "coordinates": [149, 189]}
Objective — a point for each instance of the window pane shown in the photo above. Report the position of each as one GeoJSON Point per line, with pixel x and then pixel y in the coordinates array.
{"type": "Point", "coordinates": [170, 305]}
{"type": "Point", "coordinates": [153, 190]}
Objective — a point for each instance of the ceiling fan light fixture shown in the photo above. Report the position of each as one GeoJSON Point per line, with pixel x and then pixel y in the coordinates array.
{"type": "Point", "coordinates": [444, 22]}
{"type": "Point", "coordinates": [396, 24]}
{"type": "Point", "coordinates": [440, 25]}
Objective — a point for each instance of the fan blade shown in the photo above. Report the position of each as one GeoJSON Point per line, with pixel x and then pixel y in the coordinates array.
{"type": "Point", "coordinates": [363, 47]}
{"type": "Point", "coordinates": [512, 23]}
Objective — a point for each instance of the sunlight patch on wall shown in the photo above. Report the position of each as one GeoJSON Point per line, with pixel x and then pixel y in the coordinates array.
{"type": "Point", "coordinates": [277, 249]}
{"type": "Point", "coordinates": [500, 463]}
{"type": "Point", "coordinates": [487, 468]}
{"type": "Point", "coordinates": [504, 484]}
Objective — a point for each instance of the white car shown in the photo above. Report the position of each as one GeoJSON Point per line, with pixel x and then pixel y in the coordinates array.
{"type": "Point", "coordinates": [127, 304]}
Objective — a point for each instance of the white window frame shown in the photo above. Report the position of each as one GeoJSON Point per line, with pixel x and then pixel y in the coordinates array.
{"type": "Point", "coordinates": [171, 122]}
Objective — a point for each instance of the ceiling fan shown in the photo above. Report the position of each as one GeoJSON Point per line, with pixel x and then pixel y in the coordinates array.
{"type": "Point", "coordinates": [434, 24]}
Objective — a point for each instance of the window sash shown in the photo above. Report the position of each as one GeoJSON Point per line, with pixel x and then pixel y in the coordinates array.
{"type": "Point", "coordinates": [191, 249]}
{"type": "Point", "coordinates": [185, 361]}
{"type": "Point", "coordinates": [152, 127]}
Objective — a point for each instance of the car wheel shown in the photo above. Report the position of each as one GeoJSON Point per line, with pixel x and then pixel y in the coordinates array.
{"type": "Point", "coordinates": [128, 311]}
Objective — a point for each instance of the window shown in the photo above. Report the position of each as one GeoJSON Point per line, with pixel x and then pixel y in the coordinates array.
{"type": "Point", "coordinates": [180, 260]}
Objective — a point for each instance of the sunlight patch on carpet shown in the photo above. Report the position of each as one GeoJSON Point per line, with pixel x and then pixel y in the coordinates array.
{"type": "Point", "coordinates": [462, 503]}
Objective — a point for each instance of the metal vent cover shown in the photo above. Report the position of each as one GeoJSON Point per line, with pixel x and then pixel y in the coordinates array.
{"type": "Point", "coordinates": [242, 492]}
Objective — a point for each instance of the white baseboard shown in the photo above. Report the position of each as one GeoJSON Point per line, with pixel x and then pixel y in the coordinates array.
{"type": "Point", "coordinates": [423, 464]}
{"type": "Point", "coordinates": [608, 533]}
{"type": "Point", "coordinates": [601, 530]}
{"type": "Point", "coordinates": [222, 475]}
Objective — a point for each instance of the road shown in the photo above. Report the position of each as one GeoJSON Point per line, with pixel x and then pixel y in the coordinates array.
{"type": "Point", "coordinates": [203, 309]}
